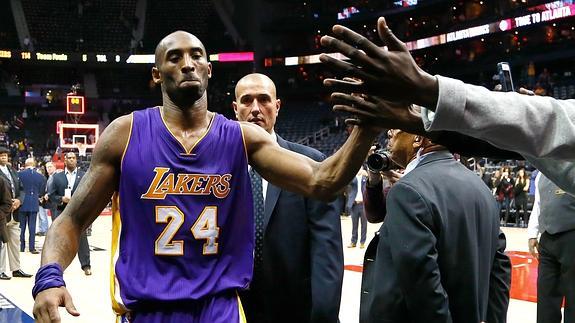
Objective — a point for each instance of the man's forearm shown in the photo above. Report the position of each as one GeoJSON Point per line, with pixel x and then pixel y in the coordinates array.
{"type": "Point", "coordinates": [374, 203]}
{"type": "Point", "coordinates": [529, 125]}
{"type": "Point", "coordinates": [338, 170]}
{"type": "Point", "coordinates": [62, 241]}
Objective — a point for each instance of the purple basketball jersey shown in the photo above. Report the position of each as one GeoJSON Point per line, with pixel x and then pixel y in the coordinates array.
{"type": "Point", "coordinates": [183, 221]}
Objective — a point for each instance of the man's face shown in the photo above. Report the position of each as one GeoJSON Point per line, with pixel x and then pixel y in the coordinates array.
{"type": "Point", "coordinates": [401, 146]}
{"type": "Point", "coordinates": [182, 67]}
{"type": "Point", "coordinates": [256, 102]}
{"type": "Point", "coordinates": [51, 169]}
{"type": "Point", "coordinates": [70, 161]}
{"type": "Point", "coordinates": [3, 159]}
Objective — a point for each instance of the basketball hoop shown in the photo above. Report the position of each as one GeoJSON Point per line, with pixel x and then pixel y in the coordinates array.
{"type": "Point", "coordinates": [81, 149]}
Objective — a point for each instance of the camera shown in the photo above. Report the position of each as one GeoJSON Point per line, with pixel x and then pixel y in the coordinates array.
{"type": "Point", "coordinates": [379, 161]}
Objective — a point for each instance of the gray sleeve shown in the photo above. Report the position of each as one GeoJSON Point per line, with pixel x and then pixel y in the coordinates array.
{"type": "Point", "coordinates": [542, 129]}
{"type": "Point", "coordinates": [530, 125]}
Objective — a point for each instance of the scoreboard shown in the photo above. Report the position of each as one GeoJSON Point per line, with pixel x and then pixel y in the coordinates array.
{"type": "Point", "coordinates": [75, 104]}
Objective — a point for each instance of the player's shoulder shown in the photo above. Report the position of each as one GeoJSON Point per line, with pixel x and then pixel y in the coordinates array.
{"type": "Point", "coordinates": [114, 138]}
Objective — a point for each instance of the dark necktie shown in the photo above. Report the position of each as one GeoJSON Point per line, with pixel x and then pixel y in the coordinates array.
{"type": "Point", "coordinates": [258, 195]}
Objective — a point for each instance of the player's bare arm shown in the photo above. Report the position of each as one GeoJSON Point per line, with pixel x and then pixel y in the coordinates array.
{"type": "Point", "coordinates": [92, 195]}
{"type": "Point", "coordinates": [301, 174]}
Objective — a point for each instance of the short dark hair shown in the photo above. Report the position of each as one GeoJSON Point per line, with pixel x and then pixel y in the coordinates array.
{"type": "Point", "coordinates": [4, 150]}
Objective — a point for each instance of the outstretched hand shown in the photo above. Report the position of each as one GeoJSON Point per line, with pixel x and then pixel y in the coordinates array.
{"type": "Point", "coordinates": [389, 72]}
{"type": "Point", "coordinates": [375, 111]}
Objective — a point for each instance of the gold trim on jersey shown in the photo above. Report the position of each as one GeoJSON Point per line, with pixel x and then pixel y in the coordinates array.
{"type": "Point", "coordinates": [127, 142]}
{"type": "Point", "coordinates": [187, 152]}
{"type": "Point", "coordinates": [117, 303]}
{"type": "Point", "coordinates": [244, 141]}
{"type": "Point", "coordinates": [241, 309]}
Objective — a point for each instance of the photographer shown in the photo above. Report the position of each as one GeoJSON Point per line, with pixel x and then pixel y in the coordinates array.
{"type": "Point", "coordinates": [382, 174]}
{"type": "Point", "coordinates": [539, 128]}
{"type": "Point", "coordinates": [406, 278]}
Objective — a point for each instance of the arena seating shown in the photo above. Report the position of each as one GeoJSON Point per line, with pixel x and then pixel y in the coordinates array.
{"type": "Point", "coordinates": [166, 16]}
{"type": "Point", "coordinates": [8, 34]}
{"type": "Point", "coordinates": [298, 120]}
{"type": "Point", "coordinates": [102, 25]}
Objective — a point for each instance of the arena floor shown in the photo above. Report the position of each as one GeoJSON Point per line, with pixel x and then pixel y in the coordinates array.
{"type": "Point", "coordinates": [91, 293]}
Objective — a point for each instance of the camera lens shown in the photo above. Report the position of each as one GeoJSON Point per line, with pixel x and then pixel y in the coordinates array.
{"type": "Point", "coordinates": [380, 161]}
{"type": "Point", "coordinates": [375, 162]}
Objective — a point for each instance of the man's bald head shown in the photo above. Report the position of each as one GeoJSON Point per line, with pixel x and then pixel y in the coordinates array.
{"type": "Point", "coordinates": [171, 40]}
{"type": "Point", "coordinates": [255, 79]}
{"type": "Point", "coordinates": [30, 162]}
{"type": "Point", "coordinates": [256, 101]}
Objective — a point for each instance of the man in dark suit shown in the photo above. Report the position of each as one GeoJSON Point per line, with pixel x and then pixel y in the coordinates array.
{"type": "Point", "coordinates": [5, 208]}
{"type": "Point", "coordinates": [62, 189]}
{"type": "Point", "coordinates": [34, 187]}
{"type": "Point", "coordinates": [356, 210]}
{"type": "Point", "coordinates": [10, 250]}
{"type": "Point", "coordinates": [438, 256]}
{"type": "Point", "coordinates": [553, 217]}
{"type": "Point", "coordinates": [298, 270]}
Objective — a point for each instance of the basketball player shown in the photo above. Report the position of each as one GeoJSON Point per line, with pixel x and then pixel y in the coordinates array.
{"type": "Point", "coordinates": [183, 231]}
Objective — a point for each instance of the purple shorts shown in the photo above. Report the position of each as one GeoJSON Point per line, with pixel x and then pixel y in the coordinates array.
{"type": "Point", "coordinates": [224, 308]}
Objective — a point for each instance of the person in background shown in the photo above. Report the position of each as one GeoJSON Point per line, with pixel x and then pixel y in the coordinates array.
{"type": "Point", "coordinates": [34, 186]}
{"type": "Point", "coordinates": [553, 218]}
{"type": "Point", "coordinates": [43, 223]}
{"type": "Point", "coordinates": [11, 249]}
{"type": "Point", "coordinates": [305, 275]}
{"type": "Point", "coordinates": [357, 211]}
{"type": "Point", "coordinates": [520, 190]}
{"type": "Point", "coordinates": [504, 193]}
{"type": "Point", "coordinates": [5, 214]}
{"type": "Point", "coordinates": [62, 189]}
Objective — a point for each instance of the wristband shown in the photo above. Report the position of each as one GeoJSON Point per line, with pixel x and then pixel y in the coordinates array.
{"type": "Point", "coordinates": [48, 276]}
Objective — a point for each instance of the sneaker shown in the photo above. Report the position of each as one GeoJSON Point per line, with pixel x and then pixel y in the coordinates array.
{"type": "Point", "coordinates": [351, 245]}
{"type": "Point", "coordinates": [3, 276]}
{"type": "Point", "coordinates": [361, 245]}
{"type": "Point", "coordinates": [87, 271]}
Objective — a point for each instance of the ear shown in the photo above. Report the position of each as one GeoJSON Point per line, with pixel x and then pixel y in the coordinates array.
{"type": "Point", "coordinates": [156, 77]}
{"type": "Point", "coordinates": [235, 106]}
{"type": "Point", "coordinates": [417, 142]}
{"type": "Point", "coordinates": [209, 70]}
{"type": "Point", "coordinates": [278, 106]}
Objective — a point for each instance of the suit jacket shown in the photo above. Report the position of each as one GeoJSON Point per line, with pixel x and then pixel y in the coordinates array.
{"type": "Point", "coordinates": [5, 207]}
{"type": "Point", "coordinates": [302, 274]}
{"type": "Point", "coordinates": [59, 186]}
{"type": "Point", "coordinates": [18, 192]}
{"type": "Point", "coordinates": [436, 257]}
{"type": "Point", "coordinates": [352, 190]}
{"type": "Point", "coordinates": [34, 187]}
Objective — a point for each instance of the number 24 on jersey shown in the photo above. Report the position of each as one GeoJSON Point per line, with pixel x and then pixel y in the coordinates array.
{"type": "Point", "coordinates": [205, 228]}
